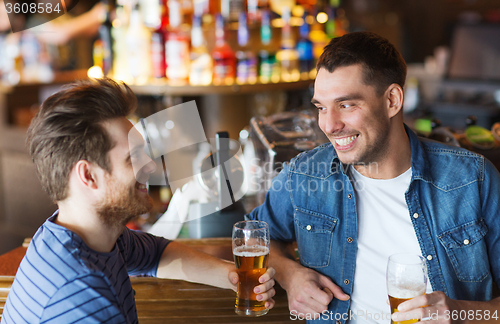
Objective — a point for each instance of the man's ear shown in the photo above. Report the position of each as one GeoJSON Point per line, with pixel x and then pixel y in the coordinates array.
{"type": "Point", "coordinates": [86, 173]}
{"type": "Point", "coordinates": [395, 96]}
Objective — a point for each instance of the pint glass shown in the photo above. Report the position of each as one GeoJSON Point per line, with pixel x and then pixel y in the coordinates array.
{"type": "Point", "coordinates": [251, 252]}
{"type": "Point", "coordinates": [406, 279]}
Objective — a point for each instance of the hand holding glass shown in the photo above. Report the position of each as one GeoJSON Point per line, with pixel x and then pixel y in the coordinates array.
{"type": "Point", "coordinates": [251, 251]}
{"type": "Point", "coordinates": [406, 279]}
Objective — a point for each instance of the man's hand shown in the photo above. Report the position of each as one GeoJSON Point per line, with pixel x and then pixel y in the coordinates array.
{"type": "Point", "coordinates": [310, 292]}
{"type": "Point", "coordinates": [436, 307]}
{"type": "Point", "coordinates": [265, 291]}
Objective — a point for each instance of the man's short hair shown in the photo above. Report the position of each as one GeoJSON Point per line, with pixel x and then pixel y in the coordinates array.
{"type": "Point", "coordinates": [382, 64]}
{"type": "Point", "coordinates": [68, 128]}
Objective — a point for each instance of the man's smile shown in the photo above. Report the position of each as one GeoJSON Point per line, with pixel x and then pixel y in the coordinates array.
{"type": "Point", "coordinates": [345, 143]}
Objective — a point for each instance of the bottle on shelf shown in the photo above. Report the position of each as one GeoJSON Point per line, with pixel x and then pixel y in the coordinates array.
{"type": "Point", "coordinates": [246, 66]}
{"type": "Point", "coordinates": [330, 25]}
{"type": "Point", "coordinates": [106, 41]}
{"type": "Point", "coordinates": [158, 39]}
{"type": "Point", "coordinates": [287, 56]}
{"type": "Point", "coordinates": [268, 69]}
{"type": "Point", "coordinates": [201, 68]}
{"type": "Point", "coordinates": [223, 56]}
{"type": "Point", "coordinates": [231, 9]}
{"type": "Point", "coordinates": [138, 40]}
{"type": "Point", "coordinates": [253, 11]}
{"type": "Point", "coordinates": [151, 12]}
{"type": "Point", "coordinates": [119, 35]}
{"type": "Point", "coordinates": [305, 50]}
{"type": "Point", "coordinates": [177, 46]}
{"type": "Point", "coordinates": [318, 37]}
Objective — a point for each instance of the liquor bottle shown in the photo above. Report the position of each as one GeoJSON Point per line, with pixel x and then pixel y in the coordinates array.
{"type": "Point", "coordinates": [253, 11]}
{"type": "Point", "coordinates": [158, 39]}
{"type": "Point", "coordinates": [330, 25]}
{"type": "Point", "coordinates": [231, 9]}
{"type": "Point", "coordinates": [119, 35]}
{"type": "Point", "coordinates": [267, 57]}
{"type": "Point", "coordinates": [151, 12]}
{"type": "Point", "coordinates": [288, 57]}
{"type": "Point", "coordinates": [318, 37]}
{"type": "Point", "coordinates": [305, 50]}
{"type": "Point", "coordinates": [223, 56]}
{"type": "Point", "coordinates": [201, 67]}
{"type": "Point", "coordinates": [177, 46]}
{"type": "Point", "coordinates": [138, 48]}
{"type": "Point", "coordinates": [106, 41]}
{"type": "Point", "coordinates": [246, 66]}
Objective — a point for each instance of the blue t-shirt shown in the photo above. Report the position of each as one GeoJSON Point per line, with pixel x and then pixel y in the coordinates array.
{"type": "Point", "coordinates": [62, 280]}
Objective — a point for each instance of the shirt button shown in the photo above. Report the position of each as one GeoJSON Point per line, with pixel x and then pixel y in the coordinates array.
{"type": "Point", "coordinates": [429, 257]}
{"type": "Point", "coordinates": [466, 241]}
{"type": "Point", "coordinates": [346, 281]}
{"type": "Point", "coordinates": [415, 215]}
{"type": "Point", "coordinates": [308, 227]}
{"type": "Point", "coordinates": [349, 196]}
{"type": "Point", "coordinates": [349, 240]}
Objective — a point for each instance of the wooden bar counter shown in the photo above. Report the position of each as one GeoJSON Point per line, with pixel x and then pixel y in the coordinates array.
{"type": "Point", "coordinates": [174, 301]}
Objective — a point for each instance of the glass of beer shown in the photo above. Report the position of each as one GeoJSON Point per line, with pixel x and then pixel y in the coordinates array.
{"type": "Point", "coordinates": [406, 279]}
{"type": "Point", "coordinates": [251, 252]}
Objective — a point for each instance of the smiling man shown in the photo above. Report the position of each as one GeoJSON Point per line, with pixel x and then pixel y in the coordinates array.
{"type": "Point", "coordinates": [376, 190]}
{"type": "Point", "coordinates": [77, 266]}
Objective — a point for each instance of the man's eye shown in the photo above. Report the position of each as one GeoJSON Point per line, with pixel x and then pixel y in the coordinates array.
{"type": "Point", "coordinates": [320, 108]}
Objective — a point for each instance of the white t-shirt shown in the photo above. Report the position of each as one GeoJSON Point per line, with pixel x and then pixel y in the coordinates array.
{"type": "Point", "coordinates": [384, 228]}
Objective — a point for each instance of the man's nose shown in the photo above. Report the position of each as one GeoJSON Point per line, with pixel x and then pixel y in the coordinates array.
{"type": "Point", "coordinates": [331, 122]}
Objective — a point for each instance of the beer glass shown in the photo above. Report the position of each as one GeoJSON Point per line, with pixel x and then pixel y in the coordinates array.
{"type": "Point", "coordinates": [251, 252]}
{"type": "Point", "coordinates": [406, 279]}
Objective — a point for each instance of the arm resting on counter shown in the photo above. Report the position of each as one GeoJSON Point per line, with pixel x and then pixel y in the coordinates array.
{"type": "Point", "coordinates": [181, 262]}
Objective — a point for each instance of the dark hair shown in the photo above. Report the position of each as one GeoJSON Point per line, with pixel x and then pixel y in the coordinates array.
{"type": "Point", "coordinates": [382, 64]}
{"type": "Point", "coordinates": [68, 128]}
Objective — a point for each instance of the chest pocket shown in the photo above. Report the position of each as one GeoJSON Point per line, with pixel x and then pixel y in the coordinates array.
{"type": "Point", "coordinates": [467, 252]}
{"type": "Point", "coordinates": [314, 233]}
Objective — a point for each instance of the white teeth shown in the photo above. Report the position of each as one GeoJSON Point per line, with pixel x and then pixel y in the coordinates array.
{"type": "Point", "coordinates": [141, 187]}
{"type": "Point", "coordinates": [346, 140]}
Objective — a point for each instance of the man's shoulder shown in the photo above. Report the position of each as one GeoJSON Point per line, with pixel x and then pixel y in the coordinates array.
{"type": "Point", "coordinates": [440, 152]}
{"type": "Point", "coordinates": [452, 167]}
{"type": "Point", "coordinates": [52, 259]}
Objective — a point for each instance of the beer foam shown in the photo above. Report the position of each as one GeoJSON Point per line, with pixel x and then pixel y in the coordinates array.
{"type": "Point", "coordinates": [251, 251]}
{"type": "Point", "coordinates": [406, 290]}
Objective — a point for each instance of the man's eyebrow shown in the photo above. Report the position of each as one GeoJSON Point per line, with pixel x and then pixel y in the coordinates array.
{"type": "Point", "coordinates": [355, 96]}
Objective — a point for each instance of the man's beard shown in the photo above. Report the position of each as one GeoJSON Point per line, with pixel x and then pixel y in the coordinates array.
{"type": "Point", "coordinates": [373, 152]}
{"type": "Point", "coordinates": [122, 204]}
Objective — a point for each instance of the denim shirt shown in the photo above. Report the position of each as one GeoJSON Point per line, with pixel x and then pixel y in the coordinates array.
{"type": "Point", "coordinates": [453, 203]}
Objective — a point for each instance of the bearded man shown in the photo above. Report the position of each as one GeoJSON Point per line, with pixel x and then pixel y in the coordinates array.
{"type": "Point", "coordinates": [78, 264]}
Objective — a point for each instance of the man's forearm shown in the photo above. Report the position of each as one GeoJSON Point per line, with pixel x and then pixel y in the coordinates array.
{"type": "Point", "coordinates": [282, 259]}
{"type": "Point", "coordinates": [184, 263]}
